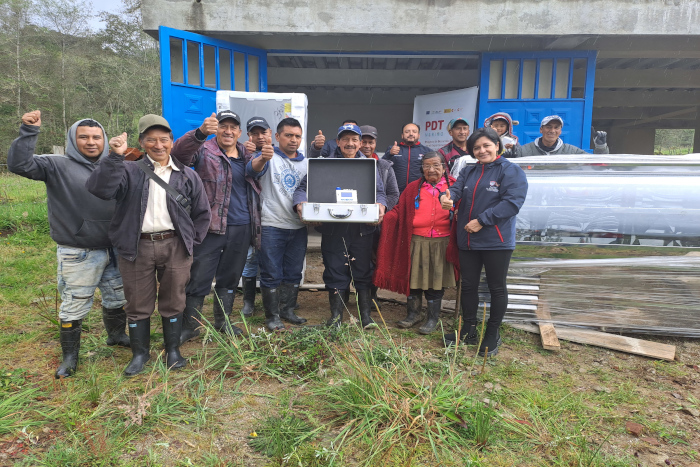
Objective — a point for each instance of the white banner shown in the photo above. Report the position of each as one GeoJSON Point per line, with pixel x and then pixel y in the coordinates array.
{"type": "Point", "coordinates": [434, 111]}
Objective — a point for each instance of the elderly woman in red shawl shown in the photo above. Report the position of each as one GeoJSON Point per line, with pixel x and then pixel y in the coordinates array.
{"type": "Point", "coordinates": [413, 256]}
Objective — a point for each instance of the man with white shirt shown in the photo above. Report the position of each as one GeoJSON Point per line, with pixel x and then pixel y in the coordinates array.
{"type": "Point", "coordinates": [154, 232]}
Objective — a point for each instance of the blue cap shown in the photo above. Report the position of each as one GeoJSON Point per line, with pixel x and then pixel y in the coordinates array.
{"type": "Point", "coordinates": [350, 127]}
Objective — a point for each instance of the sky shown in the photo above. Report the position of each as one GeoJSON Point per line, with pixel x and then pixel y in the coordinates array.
{"type": "Point", "coordinates": [112, 6]}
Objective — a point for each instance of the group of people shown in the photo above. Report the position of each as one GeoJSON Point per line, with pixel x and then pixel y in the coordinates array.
{"type": "Point", "coordinates": [152, 230]}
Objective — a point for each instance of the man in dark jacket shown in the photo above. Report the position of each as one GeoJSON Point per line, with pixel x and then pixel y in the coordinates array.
{"type": "Point", "coordinates": [319, 147]}
{"type": "Point", "coordinates": [458, 128]}
{"type": "Point", "coordinates": [154, 232]}
{"type": "Point", "coordinates": [78, 223]}
{"type": "Point", "coordinates": [235, 218]}
{"type": "Point", "coordinates": [407, 156]}
{"type": "Point", "coordinates": [347, 247]}
{"type": "Point", "coordinates": [550, 142]}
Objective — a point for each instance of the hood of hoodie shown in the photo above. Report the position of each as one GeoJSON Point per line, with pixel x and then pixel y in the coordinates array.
{"type": "Point", "coordinates": [559, 144]}
{"type": "Point", "coordinates": [503, 116]}
{"type": "Point", "coordinates": [72, 149]}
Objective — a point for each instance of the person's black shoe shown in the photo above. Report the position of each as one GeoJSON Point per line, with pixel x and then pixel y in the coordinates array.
{"type": "Point", "coordinates": [172, 327]}
{"type": "Point", "coordinates": [248, 297]}
{"type": "Point", "coordinates": [364, 298]}
{"type": "Point", "coordinates": [492, 341]}
{"type": "Point", "coordinates": [433, 317]}
{"type": "Point", "coordinates": [414, 303]}
{"type": "Point", "coordinates": [468, 336]}
{"type": "Point", "coordinates": [191, 318]}
{"type": "Point", "coordinates": [223, 306]}
{"type": "Point", "coordinates": [140, 338]}
{"type": "Point", "coordinates": [271, 303]}
{"type": "Point", "coordinates": [288, 302]}
{"type": "Point", "coordinates": [70, 347]}
{"type": "Point", "coordinates": [335, 299]}
{"type": "Point", "coordinates": [114, 320]}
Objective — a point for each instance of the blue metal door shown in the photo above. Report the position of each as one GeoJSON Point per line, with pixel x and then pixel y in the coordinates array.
{"type": "Point", "coordinates": [193, 67]}
{"type": "Point", "coordinates": [530, 86]}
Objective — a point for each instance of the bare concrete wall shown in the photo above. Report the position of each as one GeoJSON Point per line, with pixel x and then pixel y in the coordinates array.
{"type": "Point", "coordinates": [434, 17]}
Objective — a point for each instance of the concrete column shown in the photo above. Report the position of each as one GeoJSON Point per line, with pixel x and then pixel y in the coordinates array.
{"type": "Point", "coordinates": [631, 140]}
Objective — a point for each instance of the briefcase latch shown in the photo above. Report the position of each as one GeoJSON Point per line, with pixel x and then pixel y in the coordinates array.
{"type": "Point", "coordinates": [317, 208]}
{"type": "Point", "coordinates": [363, 208]}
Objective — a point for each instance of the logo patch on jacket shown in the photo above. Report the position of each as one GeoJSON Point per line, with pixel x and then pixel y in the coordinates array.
{"type": "Point", "coordinates": [493, 186]}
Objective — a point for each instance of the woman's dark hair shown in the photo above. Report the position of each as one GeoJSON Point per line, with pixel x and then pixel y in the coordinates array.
{"type": "Point", "coordinates": [426, 156]}
{"type": "Point", "coordinates": [485, 132]}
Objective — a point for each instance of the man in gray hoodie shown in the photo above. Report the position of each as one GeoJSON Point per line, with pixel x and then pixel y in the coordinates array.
{"type": "Point", "coordinates": [78, 223]}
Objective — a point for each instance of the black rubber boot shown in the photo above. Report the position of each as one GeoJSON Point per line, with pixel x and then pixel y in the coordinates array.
{"type": "Point", "coordinates": [172, 328]}
{"type": "Point", "coordinates": [335, 299]}
{"type": "Point", "coordinates": [248, 297]}
{"type": "Point", "coordinates": [433, 317]}
{"type": "Point", "coordinates": [288, 302]}
{"type": "Point", "coordinates": [492, 340]}
{"type": "Point", "coordinates": [271, 303]}
{"type": "Point", "coordinates": [346, 296]}
{"type": "Point", "coordinates": [467, 335]}
{"type": "Point", "coordinates": [114, 320]}
{"type": "Point", "coordinates": [223, 304]}
{"type": "Point", "coordinates": [140, 338]}
{"type": "Point", "coordinates": [191, 318]}
{"type": "Point", "coordinates": [414, 303]}
{"type": "Point", "coordinates": [375, 299]}
{"type": "Point", "coordinates": [70, 347]}
{"type": "Point", "coordinates": [364, 298]}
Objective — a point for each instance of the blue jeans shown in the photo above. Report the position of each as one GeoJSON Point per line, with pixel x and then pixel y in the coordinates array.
{"type": "Point", "coordinates": [80, 272]}
{"type": "Point", "coordinates": [281, 256]}
{"type": "Point", "coordinates": [251, 263]}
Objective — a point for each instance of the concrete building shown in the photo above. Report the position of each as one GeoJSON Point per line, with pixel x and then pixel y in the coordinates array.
{"type": "Point", "coordinates": [628, 67]}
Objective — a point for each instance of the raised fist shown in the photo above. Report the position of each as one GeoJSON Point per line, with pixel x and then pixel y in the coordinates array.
{"type": "Point", "coordinates": [209, 125]}
{"type": "Point", "coordinates": [395, 149]}
{"type": "Point", "coordinates": [600, 139]}
{"type": "Point", "coordinates": [32, 118]}
{"type": "Point", "coordinates": [446, 200]}
{"type": "Point", "coordinates": [319, 140]}
{"type": "Point", "coordinates": [118, 144]}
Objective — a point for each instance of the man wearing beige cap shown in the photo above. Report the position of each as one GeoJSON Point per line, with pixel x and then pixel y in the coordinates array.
{"type": "Point", "coordinates": [162, 211]}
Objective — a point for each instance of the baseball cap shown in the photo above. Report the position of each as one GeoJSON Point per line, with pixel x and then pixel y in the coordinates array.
{"type": "Point", "coordinates": [151, 120]}
{"type": "Point", "coordinates": [454, 121]}
{"type": "Point", "coordinates": [224, 114]}
{"type": "Point", "coordinates": [257, 121]}
{"type": "Point", "coordinates": [546, 120]}
{"type": "Point", "coordinates": [350, 127]}
{"type": "Point", "coordinates": [368, 131]}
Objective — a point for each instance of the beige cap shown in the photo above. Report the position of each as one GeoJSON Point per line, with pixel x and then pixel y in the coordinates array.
{"type": "Point", "coordinates": [151, 120]}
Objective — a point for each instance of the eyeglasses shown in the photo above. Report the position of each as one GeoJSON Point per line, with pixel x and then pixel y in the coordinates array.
{"type": "Point", "coordinates": [162, 140]}
{"type": "Point", "coordinates": [432, 166]}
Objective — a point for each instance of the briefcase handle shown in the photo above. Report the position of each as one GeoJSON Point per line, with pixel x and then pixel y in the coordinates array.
{"type": "Point", "coordinates": [339, 216]}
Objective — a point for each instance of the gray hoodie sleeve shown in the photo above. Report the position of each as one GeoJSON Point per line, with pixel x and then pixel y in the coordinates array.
{"type": "Point", "coordinates": [21, 159]}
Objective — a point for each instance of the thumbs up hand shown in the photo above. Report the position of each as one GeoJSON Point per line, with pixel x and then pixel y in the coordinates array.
{"type": "Point", "coordinates": [446, 200]}
{"type": "Point", "coordinates": [319, 140]}
{"type": "Point", "coordinates": [210, 125]}
{"type": "Point", "coordinates": [268, 150]}
{"type": "Point", "coordinates": [118, 144]}
{"type": "Point", "coordinates": [250, 145]}
{"type": "Point", "coordinates": [395, 149]}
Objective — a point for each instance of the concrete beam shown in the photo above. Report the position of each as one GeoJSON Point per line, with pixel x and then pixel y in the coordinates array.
{"type": "Point", "coordinates": [657, 98]}
{"type": "Point", "coordinates": [688, 113]}
{"type": "Point", "coordinates": [650, 78]}
{"type": "Point", "coordinates": [444, 17]}
{"type": "Point", "coordinates": [631, 113]}
{"type": "Point", "coordinates": [373, 78]}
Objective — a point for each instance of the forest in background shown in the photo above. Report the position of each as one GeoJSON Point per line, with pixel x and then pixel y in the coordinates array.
{"type": "Point", "coordinates": [54, 61]}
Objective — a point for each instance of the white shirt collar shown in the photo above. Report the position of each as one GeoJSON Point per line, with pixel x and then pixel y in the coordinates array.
{"type": "Point", "coordinates": [170, 163]}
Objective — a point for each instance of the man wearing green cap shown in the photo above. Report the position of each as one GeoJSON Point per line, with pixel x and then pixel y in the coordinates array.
{"type": "Point", "coordinates": [154, 230]}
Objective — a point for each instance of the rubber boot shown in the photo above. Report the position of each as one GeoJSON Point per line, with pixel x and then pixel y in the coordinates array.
{"type": "Point", "coordinates": [431, 322]}
{"type": "Point", "coordinates": [364, 298]}
{"type": "Point", "coordinates": [191, 318]}
{"type": "Point", "coordinates": [375, 299]}
{"type": "Point", "coordinates": [467, 335]}
{"type": "Point", "coordinates": [70, 347]}
{"type": "Point", "coordinates": [140, 338]}
{"type": "Point", "coordinates": [414, 303]}
{"type": "Point", "coordinates": [172, 328]}
{"type": "Point", "coordinates": [248, 297]}
{"type": "Point", "coordinates": [114, 320]}
{"type": "Point", "coordinates": [223, 304]}
{"type": "Point", "coordinates": [271, 303]}
{"type": "Point", "coordinates": [346, 296]}
{"type": "Point", "coordinates": [288, 302]}
{"type": "Point", "coordinates": [335, 299]}
{"type": "Point", "coordinates": [492, 340]}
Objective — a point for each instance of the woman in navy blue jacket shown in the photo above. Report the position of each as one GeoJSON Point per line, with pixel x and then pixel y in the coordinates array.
{"type": "Point", "coordinates": [492, 191]}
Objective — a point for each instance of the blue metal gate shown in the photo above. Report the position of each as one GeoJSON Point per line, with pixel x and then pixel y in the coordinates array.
{"type": "Point", "coordinates": [193, 67]}
{"type": "Point", "coordinates": [531, 85]}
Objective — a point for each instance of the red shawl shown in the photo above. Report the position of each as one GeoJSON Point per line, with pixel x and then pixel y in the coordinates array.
{"type": "Point", "coordinates": [393, 270]}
